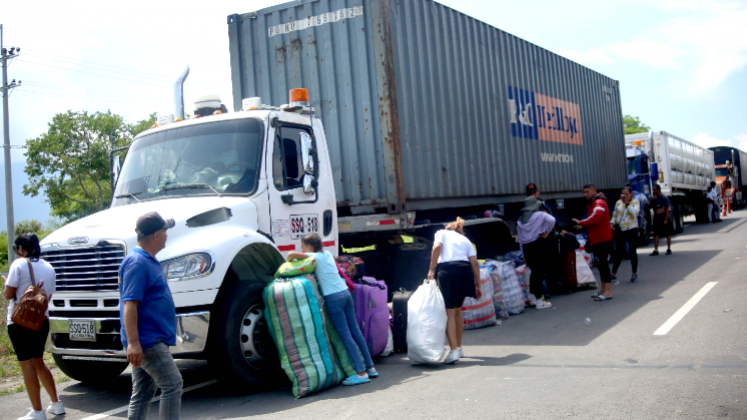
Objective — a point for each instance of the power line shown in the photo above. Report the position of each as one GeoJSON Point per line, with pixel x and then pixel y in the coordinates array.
{"type": "Point", "coordinates": [100, 75]}
{"type": "Point", "coordinates": [131, 53]}
{"type": "Point", "coordinates": [158, 76]}
{"type": "Point", "coordinates": [95, 92]}
{"type": "Point", "coordinates": [90, 98]}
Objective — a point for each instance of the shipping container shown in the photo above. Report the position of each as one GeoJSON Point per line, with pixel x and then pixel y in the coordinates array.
{"type": "Point", "coordinates": [425, 107]}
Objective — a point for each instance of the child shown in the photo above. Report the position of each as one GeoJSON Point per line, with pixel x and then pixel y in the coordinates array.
{"type": "Point", "coordinates": [340, 306]}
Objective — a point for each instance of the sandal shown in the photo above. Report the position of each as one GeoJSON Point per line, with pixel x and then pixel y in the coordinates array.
{"type": "Point", "coordinates": [602, 298]}
{"type": "Point", "coordinates": [595, 296]}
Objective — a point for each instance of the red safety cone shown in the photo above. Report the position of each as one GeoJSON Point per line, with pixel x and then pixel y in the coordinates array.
{"type": "Point", "coordinates": [728, 205]}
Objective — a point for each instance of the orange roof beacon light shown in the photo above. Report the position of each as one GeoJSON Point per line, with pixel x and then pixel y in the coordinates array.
{"type": "Point", "coordinates": [638, 143]}
{"type": "Point", "coordinates": [299, 97]}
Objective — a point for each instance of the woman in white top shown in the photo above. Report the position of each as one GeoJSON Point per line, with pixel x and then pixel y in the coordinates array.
{"type": "Point", "coordinates": [454, 264]}
{"type": "Point", "coordinates": [28, 344]}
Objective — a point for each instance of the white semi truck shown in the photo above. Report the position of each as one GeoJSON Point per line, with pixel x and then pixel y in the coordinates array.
{"type": "Point", "coordinates": [403, 149]}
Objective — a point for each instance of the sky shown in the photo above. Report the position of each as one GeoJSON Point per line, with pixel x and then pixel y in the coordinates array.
{"type": "Point", "coordinates": [682, 65]}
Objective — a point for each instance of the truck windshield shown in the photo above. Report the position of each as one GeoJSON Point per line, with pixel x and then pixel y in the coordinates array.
{"type": "Point", "coordinates": [722, 172]}
{"type": "Point", "coordinates": [222, 157]}
{"type": "Point", "coordinates": [632, 166]}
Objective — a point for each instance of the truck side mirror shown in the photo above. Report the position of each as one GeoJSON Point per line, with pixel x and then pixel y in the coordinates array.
{"type": "Point", "coordinates": [654, 171]}
{"type": "Point", "coordinates": [307, 155]}
{"type": "Point", "coordinates": [309, 184]}
{"type": "Point", "coordinates": [115, 170]}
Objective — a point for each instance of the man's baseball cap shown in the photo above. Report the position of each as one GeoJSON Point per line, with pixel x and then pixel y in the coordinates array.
{"type": "Point", "coordinates": [152, 222]}
{"type": "Point", "coordinates": [531, 188]}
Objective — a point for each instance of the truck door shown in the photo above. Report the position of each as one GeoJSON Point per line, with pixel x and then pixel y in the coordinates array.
{"type": "Point", "coordinates": [295, 209]}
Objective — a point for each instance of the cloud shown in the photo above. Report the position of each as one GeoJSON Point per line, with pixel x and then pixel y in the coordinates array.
{"type": "Point", "coordinates": [704, 140]}
{"type": "Point", "coordinates": [705, 42]}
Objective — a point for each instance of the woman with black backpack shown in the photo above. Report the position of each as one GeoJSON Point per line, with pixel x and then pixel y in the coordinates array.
{"type": "Point", "coordinates": [26, 271]}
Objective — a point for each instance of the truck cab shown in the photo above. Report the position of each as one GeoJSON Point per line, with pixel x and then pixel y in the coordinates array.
{"type": "Point", "coordinates": [243, 188]}
{"type": "Point", "coordinates": [640, 180]}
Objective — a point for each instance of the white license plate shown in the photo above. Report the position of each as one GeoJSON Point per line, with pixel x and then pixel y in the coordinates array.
{"type": "Point", "coordinates": [82, 330]}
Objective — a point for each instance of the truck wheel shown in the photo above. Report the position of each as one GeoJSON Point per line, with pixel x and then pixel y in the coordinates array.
{"type": "Point", "coordinates": [643, 234]}
{"type": "Point", "coordinates": [89, 371]}
{"type": "Point", "coordinates": [680, 219]}
{"type": "Point", "coordinates": [242, 351]}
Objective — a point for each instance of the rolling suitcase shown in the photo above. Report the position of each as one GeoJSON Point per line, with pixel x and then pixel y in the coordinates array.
{"type": "Point", "coordinates": [372, 313]}
{"type": "Point", "coordinates": [399, 319]}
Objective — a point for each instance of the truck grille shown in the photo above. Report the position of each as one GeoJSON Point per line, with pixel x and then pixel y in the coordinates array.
{"type": "Point", "coordinates": [86, 269]}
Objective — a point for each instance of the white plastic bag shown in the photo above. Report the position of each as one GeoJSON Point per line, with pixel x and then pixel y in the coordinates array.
{"type": "Point", "coordinates": [426, 324]}
{"type": "Point", "coordinates": [389, 349]}
{"type": "Point", "coordinates": [584, 275]}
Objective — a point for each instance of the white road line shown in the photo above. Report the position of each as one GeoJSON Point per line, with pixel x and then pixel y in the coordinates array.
{"type": "Point", "coordinates": [677, 317]}
{"type": "Point", "coordinates": [124, 408]}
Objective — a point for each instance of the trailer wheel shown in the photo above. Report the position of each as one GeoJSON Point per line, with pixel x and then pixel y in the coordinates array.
{"type": "Point", "coordinates": [242, 353]}
{"type": "Point", "coordinates": [89, 371]}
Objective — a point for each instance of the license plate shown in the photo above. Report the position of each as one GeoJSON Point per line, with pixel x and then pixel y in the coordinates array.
{"type": "Point", "coordinates": [82, 330]}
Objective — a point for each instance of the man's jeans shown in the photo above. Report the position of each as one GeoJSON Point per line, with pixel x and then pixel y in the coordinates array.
{"type": "Point", "coordinates": [158, 370]}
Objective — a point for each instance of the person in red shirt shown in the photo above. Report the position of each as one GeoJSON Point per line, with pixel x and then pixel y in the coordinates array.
{"type": "Point", "coordinates": [597, 224]}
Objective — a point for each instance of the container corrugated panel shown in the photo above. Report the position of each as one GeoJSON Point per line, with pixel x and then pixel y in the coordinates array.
{"type": "Point", "coordinates": [427, 105]}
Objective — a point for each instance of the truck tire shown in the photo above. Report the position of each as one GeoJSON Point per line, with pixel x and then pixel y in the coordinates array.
{"type": "Point", "coordinates": [644, 234]}
{"type": "Point", "coordinates": [680, 219]}
{"type": "Point", "coordinates": [242, 353]}
{"type": "Point", "coordinates": [89, 371]}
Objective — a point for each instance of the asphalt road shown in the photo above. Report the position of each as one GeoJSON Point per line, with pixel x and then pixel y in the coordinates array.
{"type": "Point", "coordinates": [541, 364]}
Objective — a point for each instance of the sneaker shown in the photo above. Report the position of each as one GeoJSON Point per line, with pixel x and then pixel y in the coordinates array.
{"type": "Point", "coordinates": [452, 357]}
{"type": "Point", "coordinates": [461, 352]}
{"type": "Point", "coordinates": [633, 278]}
{"type": "Point", "coordinates": [669, 252]}
{"type": "Point", "coordinates": [56, 408]}
{"type": "Point", "coordinates": [541, 304]}
{"type": "Point", "coordinates": [613, 277]}
{"type": "Point", "coordinates": [372, 373]}
{"type": "Point", "coordinates": [356, 380]}
{"type": "Point", "coordinates": [655, 253]}
{"type": "Point", "coordinates": [34, 415]}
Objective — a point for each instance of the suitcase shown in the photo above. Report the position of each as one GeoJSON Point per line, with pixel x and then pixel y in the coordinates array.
{"type": "Point", "coordinates": [399, 319]}
{"type": "Point", "coordinates": [372, 313]}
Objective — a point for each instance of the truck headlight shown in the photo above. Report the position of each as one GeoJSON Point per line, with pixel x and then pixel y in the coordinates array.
{"type": "Point", "coordinates": [187, 267]}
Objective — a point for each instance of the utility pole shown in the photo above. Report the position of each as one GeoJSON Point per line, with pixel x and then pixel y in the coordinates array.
{"type": "Point", "coordinates": [6, 88]}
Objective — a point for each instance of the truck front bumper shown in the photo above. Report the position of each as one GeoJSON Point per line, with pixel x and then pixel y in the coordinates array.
{"type": "Point", "coordinates": [191, 337]}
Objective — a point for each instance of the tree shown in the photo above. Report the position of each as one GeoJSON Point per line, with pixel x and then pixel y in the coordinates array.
{"type": "Point", "coordinates": [69, 163]}
{"type": "Point", "coordinates": [634, 125]}
{"type": "Point", "coordinates": [28, 226]}
{"type": "Point", "coordinates": [142, 125]}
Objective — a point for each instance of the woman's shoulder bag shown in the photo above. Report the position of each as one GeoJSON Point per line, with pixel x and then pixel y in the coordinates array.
{"type": "Point", "coordinates": [30, 311]}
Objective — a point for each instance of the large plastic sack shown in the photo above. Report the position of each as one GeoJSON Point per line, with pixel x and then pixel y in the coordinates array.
{"type": "Point", "coordinates": [296, 268]}
{"type": "Point", "coordinates": [513, 296]}
{"type": "Point", "coordinates": [501, 312]}
{"type": "Point", "coordinates": [515, 257]}
{"type": "Point", "coordinates": [302, 331]}
{"type": "Point", "coordinates": [525, 277]}
{"type": "Point", "coordinates": [426, 324]}
{"type": "Point", "coordinates": [389, 349]}
{"type": "Point", "coordinates": [584, 275]}
{"type": "Point", "coordinates": [480, 313]}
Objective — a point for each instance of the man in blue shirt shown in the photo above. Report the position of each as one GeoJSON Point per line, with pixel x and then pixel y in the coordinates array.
{"type": "Point", "coordinates": [149, 322]}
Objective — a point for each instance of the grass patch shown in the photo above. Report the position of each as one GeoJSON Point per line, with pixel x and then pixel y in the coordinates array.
{"type": "Point", "coordinates": [13, 390]}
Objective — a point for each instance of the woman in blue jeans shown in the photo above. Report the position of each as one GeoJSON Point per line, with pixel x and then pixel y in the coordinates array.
{"type": "Point", "coordinates": [340, 305]}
